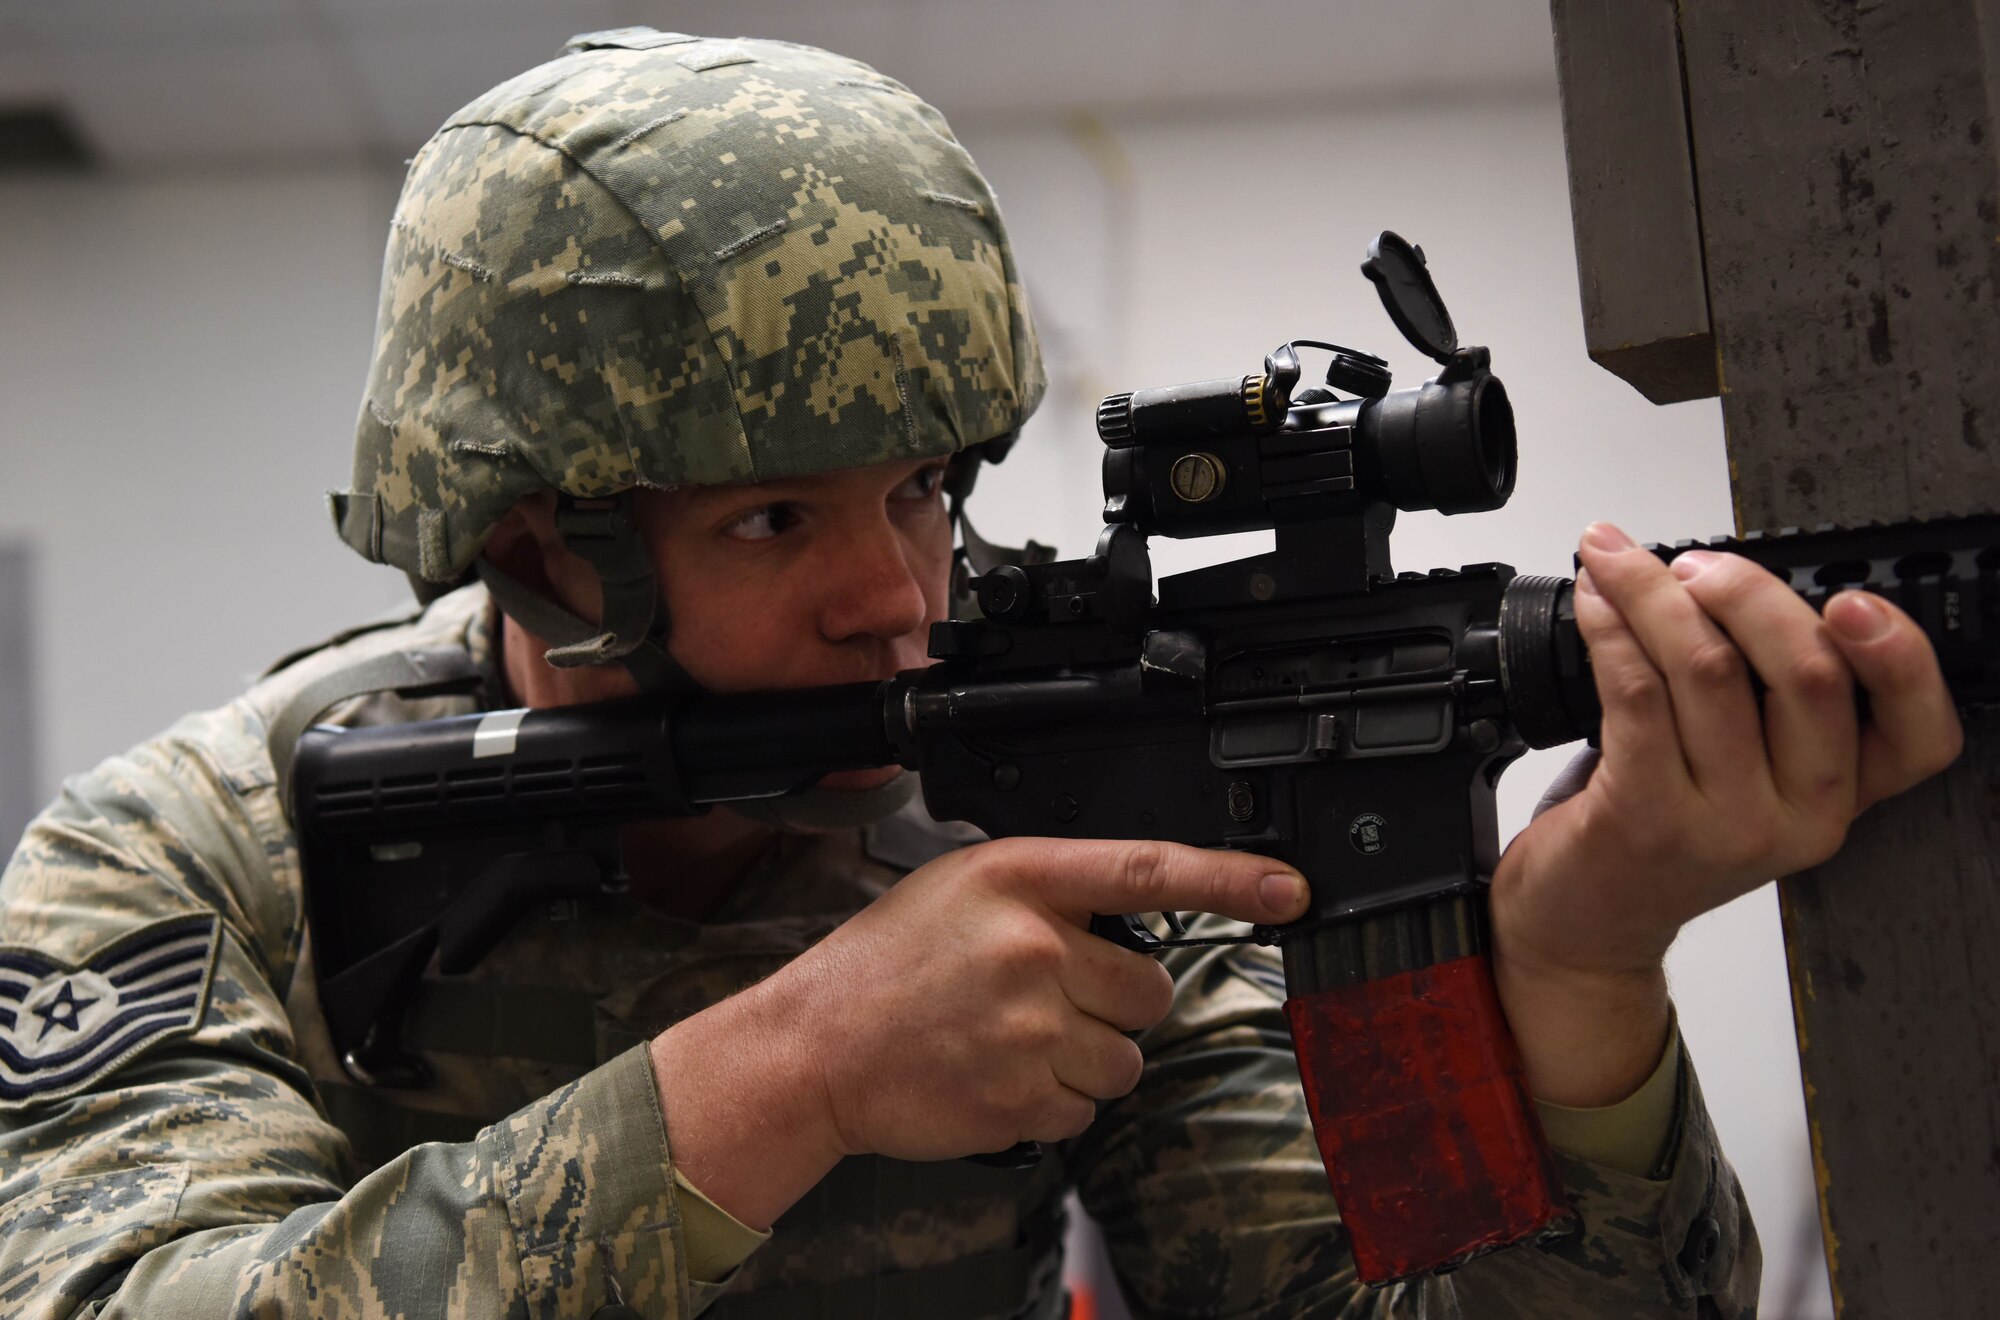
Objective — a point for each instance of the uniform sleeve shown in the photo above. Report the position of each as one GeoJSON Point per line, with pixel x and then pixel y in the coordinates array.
{"type": "Point", "coordinates": [1631, 1135]}
{"type": "Point", "coordinates": [716, 1241]}
{"type": "Point", "coordinates": [175, 1162]}
{"type": "Point", "coordinates": [1209, 1188]}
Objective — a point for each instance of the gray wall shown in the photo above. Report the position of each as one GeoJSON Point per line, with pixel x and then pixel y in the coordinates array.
{"type": "Point", "coordinates": [180, 359]}
{"type": "Point", "coordinates": [20, 775]}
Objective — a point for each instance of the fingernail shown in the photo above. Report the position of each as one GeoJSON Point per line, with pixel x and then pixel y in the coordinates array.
{"type": "Point", "coordinates": [1857, 616]}
{"type": "Point", "coordinates": [1584, 586]}
{"type": "Point", "coordinates": [1604, 536]}
{"type": "Point", "coordinates": [1283, 895]}
{"type": "Point", "coordinates": [1690, 562]}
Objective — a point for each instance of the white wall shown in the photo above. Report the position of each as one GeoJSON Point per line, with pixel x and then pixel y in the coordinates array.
{"type": "Point", "coordinates": [180, 360]}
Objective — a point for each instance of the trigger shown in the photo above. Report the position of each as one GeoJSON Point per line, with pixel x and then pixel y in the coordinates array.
{"type": "Point", "coordinates": [1126, 931]}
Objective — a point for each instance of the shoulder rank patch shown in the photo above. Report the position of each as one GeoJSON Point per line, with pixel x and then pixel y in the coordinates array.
{"type": "Point", "coordinates": [63, 1027]}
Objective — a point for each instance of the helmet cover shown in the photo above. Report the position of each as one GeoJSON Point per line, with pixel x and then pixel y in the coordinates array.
{"type": "Point", "coordinates": [660, 260]}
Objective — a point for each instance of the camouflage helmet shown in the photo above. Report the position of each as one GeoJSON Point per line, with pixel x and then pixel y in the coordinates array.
{"type": "Point", "coordinates": [661, 260]}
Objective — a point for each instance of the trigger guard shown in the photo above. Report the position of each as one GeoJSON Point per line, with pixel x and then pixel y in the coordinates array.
{"type": "Point", "coordinates": [1126, 931]}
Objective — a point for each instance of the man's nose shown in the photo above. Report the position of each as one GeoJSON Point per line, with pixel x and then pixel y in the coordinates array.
{"type": "Point", "coordinates": [872, 586]}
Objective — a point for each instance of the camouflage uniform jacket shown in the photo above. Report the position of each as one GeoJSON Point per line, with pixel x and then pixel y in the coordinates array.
{"type": "Point", "coordinates": [185, 1156]}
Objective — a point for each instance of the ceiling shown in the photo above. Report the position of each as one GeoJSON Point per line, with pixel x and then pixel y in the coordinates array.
{"type": "Point", "coordinates": [174, 84]}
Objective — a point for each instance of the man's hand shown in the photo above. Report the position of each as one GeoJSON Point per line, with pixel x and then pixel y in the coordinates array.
{"type": "Point", "coordinates": [1701, 795]}
{"type": "Point", "coordinates": [966, 1009]}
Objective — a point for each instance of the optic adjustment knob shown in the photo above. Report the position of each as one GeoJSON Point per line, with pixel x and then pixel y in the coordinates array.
{"type": "Point", "coordinates": [1004, 593]}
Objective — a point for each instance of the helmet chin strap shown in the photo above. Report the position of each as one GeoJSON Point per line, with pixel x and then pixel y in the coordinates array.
{"type": "Point", "coordinates": [634, 630]}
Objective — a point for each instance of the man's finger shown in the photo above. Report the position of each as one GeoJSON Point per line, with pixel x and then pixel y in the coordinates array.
{"type": "Point", "coordinates": [1809, 717]}
{"type": "Point", "coordinates": [1063, 1115]}
{"type": "Point", "coordinates": [1078, 877]}
{"type": "Point", "coordinates": [1913, 730]}
{"type": "Point", "coordinates": [1637, 732]}
{"type": "Point", "coordinates": [1708, 680]}
{"type": "Point", "coordinates": [1092, 1058]}
{"type": "Point", "coordinates": [1129, 990]}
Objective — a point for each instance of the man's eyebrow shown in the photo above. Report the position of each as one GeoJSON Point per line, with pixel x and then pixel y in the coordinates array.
{"type": "Point", "coordinates": [770, 491]}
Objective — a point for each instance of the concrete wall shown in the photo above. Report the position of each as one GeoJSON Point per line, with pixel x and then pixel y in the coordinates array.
{"type": "Point", "coordinates": [180, 360]}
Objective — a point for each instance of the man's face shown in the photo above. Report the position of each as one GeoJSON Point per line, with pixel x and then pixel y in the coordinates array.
{"type": "Point", "coordinates": [807, 581]}
{"type": "Point", "coordinates": [796, 583]}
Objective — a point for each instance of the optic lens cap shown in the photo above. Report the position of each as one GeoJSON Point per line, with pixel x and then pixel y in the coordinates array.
{"type": "Point", "coordinates": [1412, 301]}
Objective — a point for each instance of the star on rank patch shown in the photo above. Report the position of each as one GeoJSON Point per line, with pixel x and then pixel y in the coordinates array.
{"type": "Point", "coordinates": [63, 1027]}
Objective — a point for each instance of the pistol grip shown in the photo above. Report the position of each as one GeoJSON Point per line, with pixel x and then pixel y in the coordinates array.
{"type": "Point", "coordinates": [1423, 1119]}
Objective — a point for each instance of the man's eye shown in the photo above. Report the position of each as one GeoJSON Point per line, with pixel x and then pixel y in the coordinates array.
{"type": "Point", "coordinates": [921, 484]}
{"type": "Point", "coordinates": [761, 523]}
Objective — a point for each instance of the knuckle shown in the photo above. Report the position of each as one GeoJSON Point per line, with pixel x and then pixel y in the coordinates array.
{"type": "Point", "coordinates": [1020, 1089]}
{"type": "Point", "coordinates": [1144, 875]}
{"type": "Point", "coordinates": [1746, 580]}
{"type": "Point", "coordinates": [1027, 1029]}
{"type": "Point", "coordinates": [982, 863]}
{"type": "Point", "coordinates": [1828, 786]}
{"type": "Point", "coordinates": [1030, 944]}
{"type": "Point", "coordinates": [1820, 676]}
{"type": "Point", "coordinates": [1063, 1117]}
{"type": "Point", "coordinates": [1598, 621]}
{"type": "Point", "coordinates": [1635, 686]}
{"type": "Point", "coordinates": [1004, 1100]}
{"type": "Point", "coordinates": [1714, 665]}
{"type": "Point", "coordinates": [1724, 581]}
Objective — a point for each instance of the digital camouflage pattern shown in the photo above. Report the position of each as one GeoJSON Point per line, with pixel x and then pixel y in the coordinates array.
{"type": "Point", "coordinates": [204, 1176]}
{"type": "Point", "coordinates": [659, 261]}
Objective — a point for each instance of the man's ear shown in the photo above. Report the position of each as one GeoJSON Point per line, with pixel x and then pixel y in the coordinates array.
{"type": "Point", "coordinates": [524, 545]}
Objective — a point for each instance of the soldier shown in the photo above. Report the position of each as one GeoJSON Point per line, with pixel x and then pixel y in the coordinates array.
{"type": "Point", "coordinates": [683, 347]}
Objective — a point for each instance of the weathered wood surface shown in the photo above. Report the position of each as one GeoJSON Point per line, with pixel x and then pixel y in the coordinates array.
{"type": "Point", "coordinates": [1849, 189]}
{"type": "Point", "coordinates": [1893, 971]}
{"type": "Point", "coordinates": [1846, 191]}
{"type": "Point", "coordinates": [1846, 165]}
{"type": "Point", "coordinates": [1638, 236]}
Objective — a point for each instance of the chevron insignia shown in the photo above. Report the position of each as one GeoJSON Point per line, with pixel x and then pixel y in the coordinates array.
{"type": "Point", "coordinates": [63, 1027]}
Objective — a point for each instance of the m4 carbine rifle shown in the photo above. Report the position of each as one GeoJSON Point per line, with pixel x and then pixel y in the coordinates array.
{"type": "Point", "coordinates": [1308, 704]}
